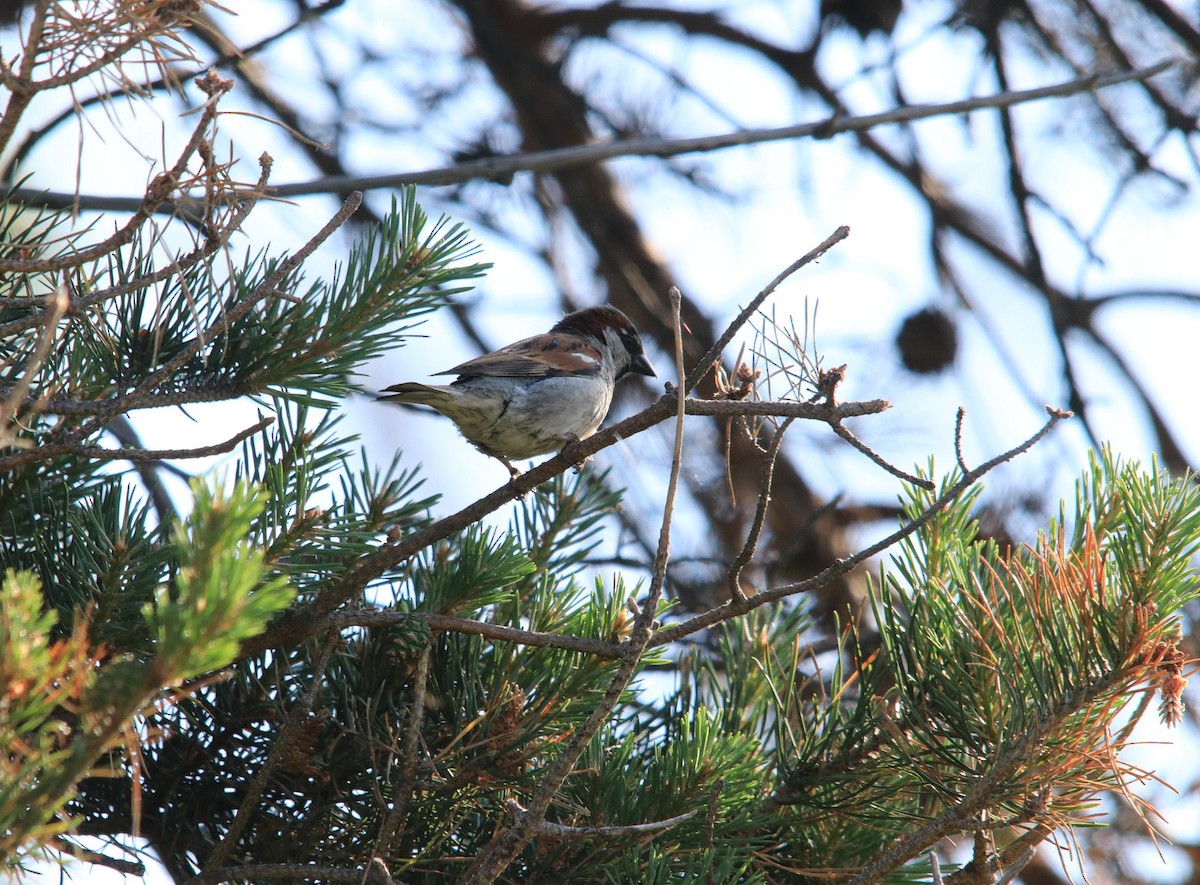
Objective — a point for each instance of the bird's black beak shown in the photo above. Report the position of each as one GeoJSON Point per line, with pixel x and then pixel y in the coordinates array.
{"type": "Point", "coordinates": [641, 365]}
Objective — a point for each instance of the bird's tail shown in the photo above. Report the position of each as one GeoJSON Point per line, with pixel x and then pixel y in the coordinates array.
{"type": "Point", "coordinates": [413, 392]}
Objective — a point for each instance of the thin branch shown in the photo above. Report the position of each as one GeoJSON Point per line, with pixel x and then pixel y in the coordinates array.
{"type": "Point", "coordinates": [1018, 865]}
{"type": "Point", "coordinates": [80, 407]}
{"type": "Point", "coordinates": [20, 91]}
{"type": "Point", "coordinates": [734, 608]}
{"type": "Point", "coordinates": [453, 624]}
{"type": "Point", "coordinates": [714, 353]}
{"type": "Point", "coordinates": [148, 472]}
{"type": "Point", "coordinates": [760, 514]}
{"type": "Point", "coordinates": [1168, 447]}
{"type": "Point", "coordinates": [214, 242]}
{"type": "Point", "coordinates": [157, 193]}
{"type": "Point", "coordinates": [240, 55]}
{"type": "Point", "coordinates": [710, 821]}
{"type": "Point", "coordinates": [563, 831]}
{"type": "Point", "coordinates": [845, 433]}
{"type": "Point", "coordinates": [958, 431]}
{"type": "Point", "coordinates": [398, 813]}
{"type": "Point", "coordinates": [300, 872]}
{"type": "Point", "coordinates": [100, 453]}
{"type": "Point", "coordinates": [125, 867]}
{"type": "Point", "coordinates": [16, 394]}
{"type": "Point", "coordinates": [1098, 301]}
{"type": "Point", "coordinates": [720, 408]}
{"type": "Point", "coordinates": [504, 167]}
{"type": "Point", "coordinates": [97, 64]}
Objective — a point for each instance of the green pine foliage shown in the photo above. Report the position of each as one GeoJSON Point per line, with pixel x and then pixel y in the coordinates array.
{"type": "Point", "coordinates": [998, 688]}
{"type": "Point", "coordinates": [70, 701]}
{"type": "Point", "coordinates": [145, 600]}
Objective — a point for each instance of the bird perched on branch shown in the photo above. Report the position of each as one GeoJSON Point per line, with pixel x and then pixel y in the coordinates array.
{"type": "Point", "coordinates": [539, 394]}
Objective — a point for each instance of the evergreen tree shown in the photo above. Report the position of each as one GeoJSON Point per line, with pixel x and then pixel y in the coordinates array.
{"type": "Point", "coordinates": [305, 676]}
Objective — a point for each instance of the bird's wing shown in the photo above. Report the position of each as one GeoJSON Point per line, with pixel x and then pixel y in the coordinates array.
{"type": "Point", "coordinates": [543, 356]}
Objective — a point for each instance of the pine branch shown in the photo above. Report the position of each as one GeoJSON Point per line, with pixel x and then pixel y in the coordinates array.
{"type": "Point", "coordinates": [549, 828]}
{"type": "Point", "coordinates": [99, 453]}
{"type": "Point", "coordinates": [469, 627]}
{"type": "Point", "coordinates": [217, 239]}
{"type": "Point", "coordinates": [146, 388]}
{"type": "Point", "coordinates": [964, 815]}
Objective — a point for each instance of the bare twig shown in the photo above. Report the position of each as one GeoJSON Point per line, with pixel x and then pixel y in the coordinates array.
{"type": "Point", "coordinates": [786, 409]}
{"type": "Point", "coordinates": [550, 828]}
{"type": "Point", "coordinates": [158, 192]}
{"type": "Point", "coordinates": [16, 394]}
{"type": "Point", "coordinates": [149, 472]}
{"type": "Point", "coordinates": [760, 514]}
{"type": "Point", "coordinates": [845, 433]}
{"type": "Point", "coordinates": [100, 453]}
{"type": "Point", "coordinates": [83, 408]}
{"type": "Point", "coordinates": [452, 624]}
{"type": "Point", "coordinates": [20, 83]}
{"type": "Point", "coordinates": [241, 55]}
{"type": "Point", "coordinates": [216, 240]}
{"type": "Point", "coordinates": [1017, 866]}
{"type": "Point", "coordinates": [958, 431]}
{"type": "Point", "coordinates": [300, 872]}
{"type": "Point", "coordinates": [125, 867]}
{"type": "Point", "coordinates": [714, 353]}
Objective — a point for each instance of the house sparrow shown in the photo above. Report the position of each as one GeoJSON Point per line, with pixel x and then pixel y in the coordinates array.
{"type": "Point", "coordinates": [539, 394]}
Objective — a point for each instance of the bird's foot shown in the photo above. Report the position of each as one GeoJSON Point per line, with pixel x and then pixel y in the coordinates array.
{"type": "Point", "coordinates": [569, 440]}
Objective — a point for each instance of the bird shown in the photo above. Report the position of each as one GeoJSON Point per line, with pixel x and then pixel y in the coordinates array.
{"type": "Point", "coordinates": [538, 394]}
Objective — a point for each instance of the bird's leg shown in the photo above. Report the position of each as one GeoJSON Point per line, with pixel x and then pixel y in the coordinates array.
{"type": "Point", "coordinates": [570, 439]}
{"type": "Point", "coordinates": [513, 472]}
